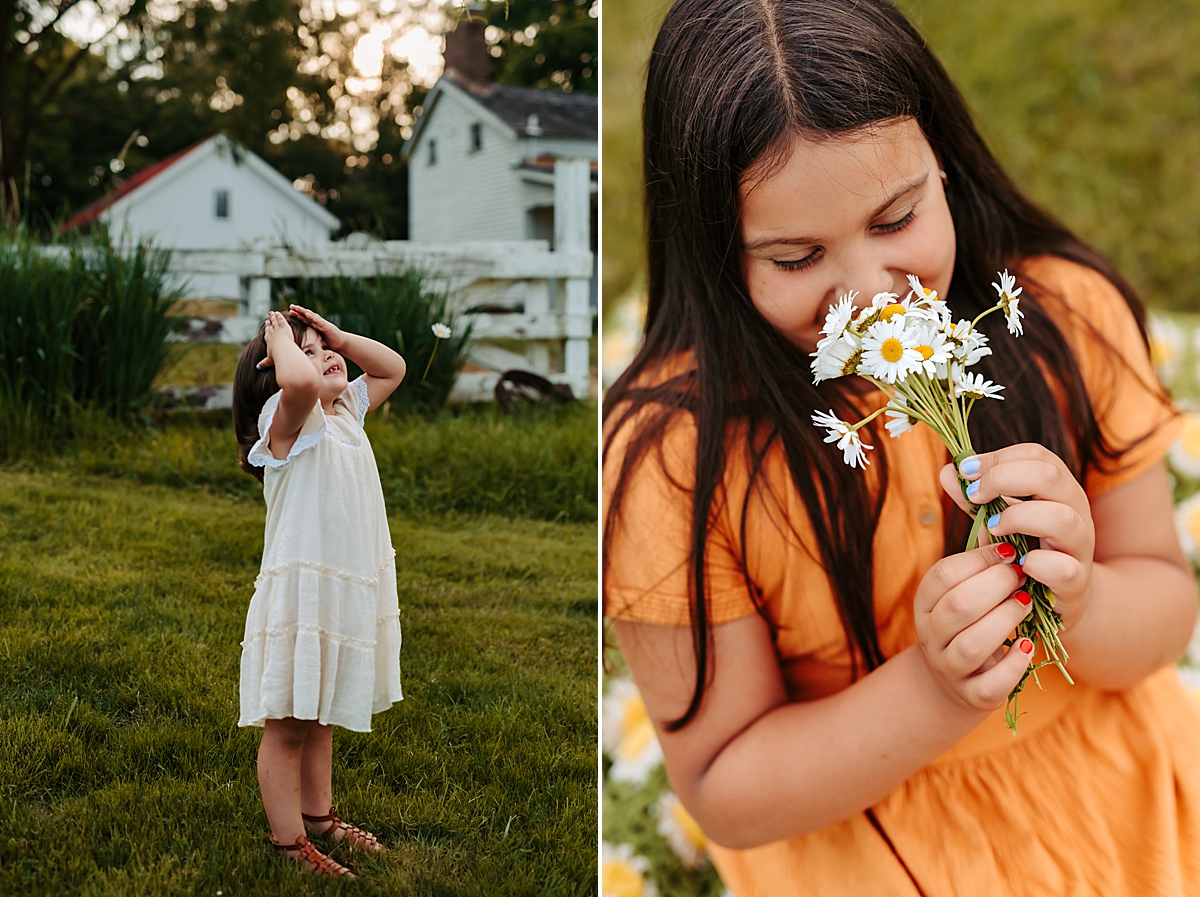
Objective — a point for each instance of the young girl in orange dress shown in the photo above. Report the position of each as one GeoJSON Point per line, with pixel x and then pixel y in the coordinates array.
{"type": "Point", "coordinates": [826, 667]}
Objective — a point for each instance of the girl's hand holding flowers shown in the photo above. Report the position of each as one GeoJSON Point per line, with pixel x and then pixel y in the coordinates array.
{"type": "Point", "coordinates": [965, 607]}
{"type": "Point", "coordinates": [1056, 511]}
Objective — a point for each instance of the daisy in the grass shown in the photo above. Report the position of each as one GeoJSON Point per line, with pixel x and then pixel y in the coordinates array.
{"type": "Point", "coordinates": [623, 873]}
{"type": "Point", "coordinates": [1184, 453]}
{"type": "Point", "coordinates": [1187, 524]}
{"type": "Point", "coordinates": [1167, 345]}
{"type": "Point", "coordinates": [629, 738]}
{"type": "Point", "coordinates": [917, 355]}
{"type": "Point", "coordinates": [681, 831]}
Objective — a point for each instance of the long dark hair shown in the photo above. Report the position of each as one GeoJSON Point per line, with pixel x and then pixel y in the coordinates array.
{"type": "Point", "coordinates": [251, 389]}
{"type": "Point", "coordinates": [731, 84]}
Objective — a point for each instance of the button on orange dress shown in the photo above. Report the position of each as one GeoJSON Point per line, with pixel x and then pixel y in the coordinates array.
{"type": "Point", "coordinates": [1120, 816]}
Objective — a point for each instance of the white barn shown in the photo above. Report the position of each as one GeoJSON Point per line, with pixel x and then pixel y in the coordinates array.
{"type": "Point", "coordinates": [215, 194]}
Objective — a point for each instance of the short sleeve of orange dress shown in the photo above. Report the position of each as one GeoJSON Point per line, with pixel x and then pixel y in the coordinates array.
{"type": "Point", "coordinates": [1097, 794]}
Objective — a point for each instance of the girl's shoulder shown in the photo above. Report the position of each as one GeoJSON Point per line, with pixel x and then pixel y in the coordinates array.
{"type": "Point", "coordinates": [354, 401]}
{"type": "Point", "coordinates": [1079, 298]}
{"type": "Point", "coordinates": [310, 434]}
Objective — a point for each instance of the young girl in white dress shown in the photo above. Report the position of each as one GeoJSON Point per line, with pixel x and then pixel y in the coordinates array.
{"type": "Point", "coordinates": [322, 640]}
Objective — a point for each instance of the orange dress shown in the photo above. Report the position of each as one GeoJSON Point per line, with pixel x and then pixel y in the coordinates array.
{"type": "Point", "coordinates": [1124, 818]}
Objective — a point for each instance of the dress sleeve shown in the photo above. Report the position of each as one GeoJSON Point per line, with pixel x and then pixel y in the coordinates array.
{"type": "Point", "coordinates": [310, 434]}
{"type": "Point", "coordinates": [1133, 410]}
{"type": "Point", "coordinates": [356, 399]}
{"type": "Point", "coordinates": [647, 572]}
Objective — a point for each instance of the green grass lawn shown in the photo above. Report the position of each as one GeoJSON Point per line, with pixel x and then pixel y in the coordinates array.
{"type": "Point", "coordinates": [123, 603]}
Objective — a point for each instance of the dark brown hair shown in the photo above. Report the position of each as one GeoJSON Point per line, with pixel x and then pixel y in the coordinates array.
{"type": "Point", "coordinates": [251, 389]}
{"type": "Point", "coordinates": [731, 84]}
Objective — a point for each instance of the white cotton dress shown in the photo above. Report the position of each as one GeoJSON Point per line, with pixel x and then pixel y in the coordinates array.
{"type": "Point", "coordinates": [323, 630]}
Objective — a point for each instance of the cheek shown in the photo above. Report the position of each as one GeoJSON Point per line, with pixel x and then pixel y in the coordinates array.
{"type": "Point", "coordinates": [782, 299]}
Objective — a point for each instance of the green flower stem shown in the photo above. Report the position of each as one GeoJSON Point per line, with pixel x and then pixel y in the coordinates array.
{"type": "Point", "coordinates": [1042, 624]}
{"type": "Point", "coordinates": [432, 355]}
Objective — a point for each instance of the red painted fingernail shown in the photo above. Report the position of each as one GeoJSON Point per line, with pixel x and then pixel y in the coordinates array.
{"type": "Point", "coordinates": [1006, 551]}
{"type": "Point", "coordinates": [1020, 570]}
{"type": "Point", "coordinates": [1025, 646]}
{"type": "Point", "coordinates": [1023, 598]}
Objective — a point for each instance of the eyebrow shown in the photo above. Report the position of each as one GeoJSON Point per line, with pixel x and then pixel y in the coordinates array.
{"type": "Point", "coordinates": [808, 241]}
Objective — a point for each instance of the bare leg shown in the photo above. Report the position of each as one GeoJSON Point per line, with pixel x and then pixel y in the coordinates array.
{"type": "Point", "coordinates": [316, 788]}
{"type": "Point", "coordinates": [279, 763]}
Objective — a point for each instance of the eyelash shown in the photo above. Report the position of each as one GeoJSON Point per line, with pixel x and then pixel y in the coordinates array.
{"type": "Point", "coordinates": [811, 259]}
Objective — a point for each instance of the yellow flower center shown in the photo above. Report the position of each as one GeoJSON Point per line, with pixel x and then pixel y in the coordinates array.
{"type": "Point", "coordinates": [1190, 437]}
{"type": "Point", "coordinates": [928, 292]}
{"type": "Point", "coordinates": [890, 311]}
{"type": "Point", "coordinates": [926, 352]}
{"type": "Point", "coordinates": [622, 880]}
{"type": "Point", "coordinates": [891, 350]}
{"type": "Point", "coordinates": [1193, 525]}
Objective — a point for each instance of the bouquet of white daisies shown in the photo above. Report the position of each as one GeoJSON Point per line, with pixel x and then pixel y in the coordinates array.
{"type": "Point", "coordinates": [914, 352]}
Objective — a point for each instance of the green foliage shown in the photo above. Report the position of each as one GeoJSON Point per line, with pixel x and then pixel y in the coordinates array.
{"type": "Point", "coordinates": [85, 332]}
{"type": "Point", "coordinates": [399, 312]}
{"type": "Point", "coordinates": [1091, 105]}
{"type": "Point", "coordinates": [122, 607]}
{"type": "Point", "coordinates": [550, 44]}
{"type": "Point", "coordinates": [466, 462]}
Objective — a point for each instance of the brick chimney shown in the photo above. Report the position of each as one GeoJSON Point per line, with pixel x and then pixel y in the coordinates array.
{"type": "Point", "coordinates": [466, 53]}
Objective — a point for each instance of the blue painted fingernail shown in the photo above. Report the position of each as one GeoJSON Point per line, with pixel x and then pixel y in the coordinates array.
{"type": "Point", "coordinates": [1021, 559]}
{"type": "Point", "coordinates": [968, 466]}
{"type": "Point", "coordinates": [972, 490]}
{"type": "Point", "coordinates": [993, 520]}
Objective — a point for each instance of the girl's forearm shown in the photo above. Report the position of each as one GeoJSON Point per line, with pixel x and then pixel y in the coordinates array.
{"type": "Point", "coordinates": [1140, 618]}
{"type": "Point", "coordinates": [376, 359]}
{"type": "Point", "coordinates": [293, 371]}
{"type": "Point", "coordinates": [801, 767]}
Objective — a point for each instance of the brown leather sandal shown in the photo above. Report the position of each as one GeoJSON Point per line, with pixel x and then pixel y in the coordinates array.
{"type": "Point", "coordinates": [311, 859]}
{"type": "Point", "coordinates": [352, 834]}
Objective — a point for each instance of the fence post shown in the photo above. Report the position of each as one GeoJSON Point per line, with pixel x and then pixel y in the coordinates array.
{"type": "Point", "coordinates": [572, 219]}
{"type": "Point", "coordinates": [256, 292]}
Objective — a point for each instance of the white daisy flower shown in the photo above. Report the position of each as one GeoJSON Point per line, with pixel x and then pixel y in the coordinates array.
{"type": "Point", "coordinates": [974, 386]}
{"type": "Point", "coordinates": [441, 331]}
{"type": "Point", "coordinates": [846, 437]}
{"type": "Point", "coordinates": [969, 344]}
{"type": "Point", "coordinates": [838, 358]}
{"type": "Point", "coordinates": [1184, 453]}
{"type": "Point", "coordinates": [919, 292]}
{"type": "Point", "coordinates": [682, 832]}
{"type": "Point", "coordinates": [1009, 299]}
{"type": "Point", "coordinates": [889, 353]}
{"type": "Point", "coordinates": [623, 873]}
{"type": "Point", "coordinates": [629, 737]}
{"type": "Point", "coordinates": [838, 318]}
{"type": "Point", "coordinates": [1166, 345]}
{"type": "Point", "coordinates": [934, 349]}
{"type": "Point", "coordinates": [1187, 525]}
{"type": "Point", "coordinates": [900, 422]}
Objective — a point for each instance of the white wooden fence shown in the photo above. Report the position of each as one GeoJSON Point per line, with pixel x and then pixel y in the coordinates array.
{"type": "Point", "coordinates": [530, 293]}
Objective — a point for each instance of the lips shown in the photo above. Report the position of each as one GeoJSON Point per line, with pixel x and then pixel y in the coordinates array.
{"type": "Point", "coordinates": [333, 369]}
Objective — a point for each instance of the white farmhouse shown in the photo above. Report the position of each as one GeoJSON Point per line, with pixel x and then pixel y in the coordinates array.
{"type": "Point", "coordinates": [215, 194]}
{"type": "Point", "coordinates": [481, 156]}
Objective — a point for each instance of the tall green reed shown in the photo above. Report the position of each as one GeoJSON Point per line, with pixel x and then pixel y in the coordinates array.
{"type": "Point", "coordinates": [84, 335]}
{"type": "Point", "coordinates": [398, 311]}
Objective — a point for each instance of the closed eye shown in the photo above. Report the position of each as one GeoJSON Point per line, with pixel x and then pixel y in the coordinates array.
{"type": "Point", "coordinates": [800, 264]}
{"type": "Point", "coordinates": [894, 226]}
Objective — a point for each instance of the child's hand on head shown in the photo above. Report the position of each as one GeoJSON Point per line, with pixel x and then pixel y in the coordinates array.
{"type": "Point", "coordinates": [1055, 510]}
{"type": "Point", "coordinates": [276, 324]}
{"type": "Point", "coordinates": [966, 606]}
{"type": "Point", "coordinates": [335, 338]}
